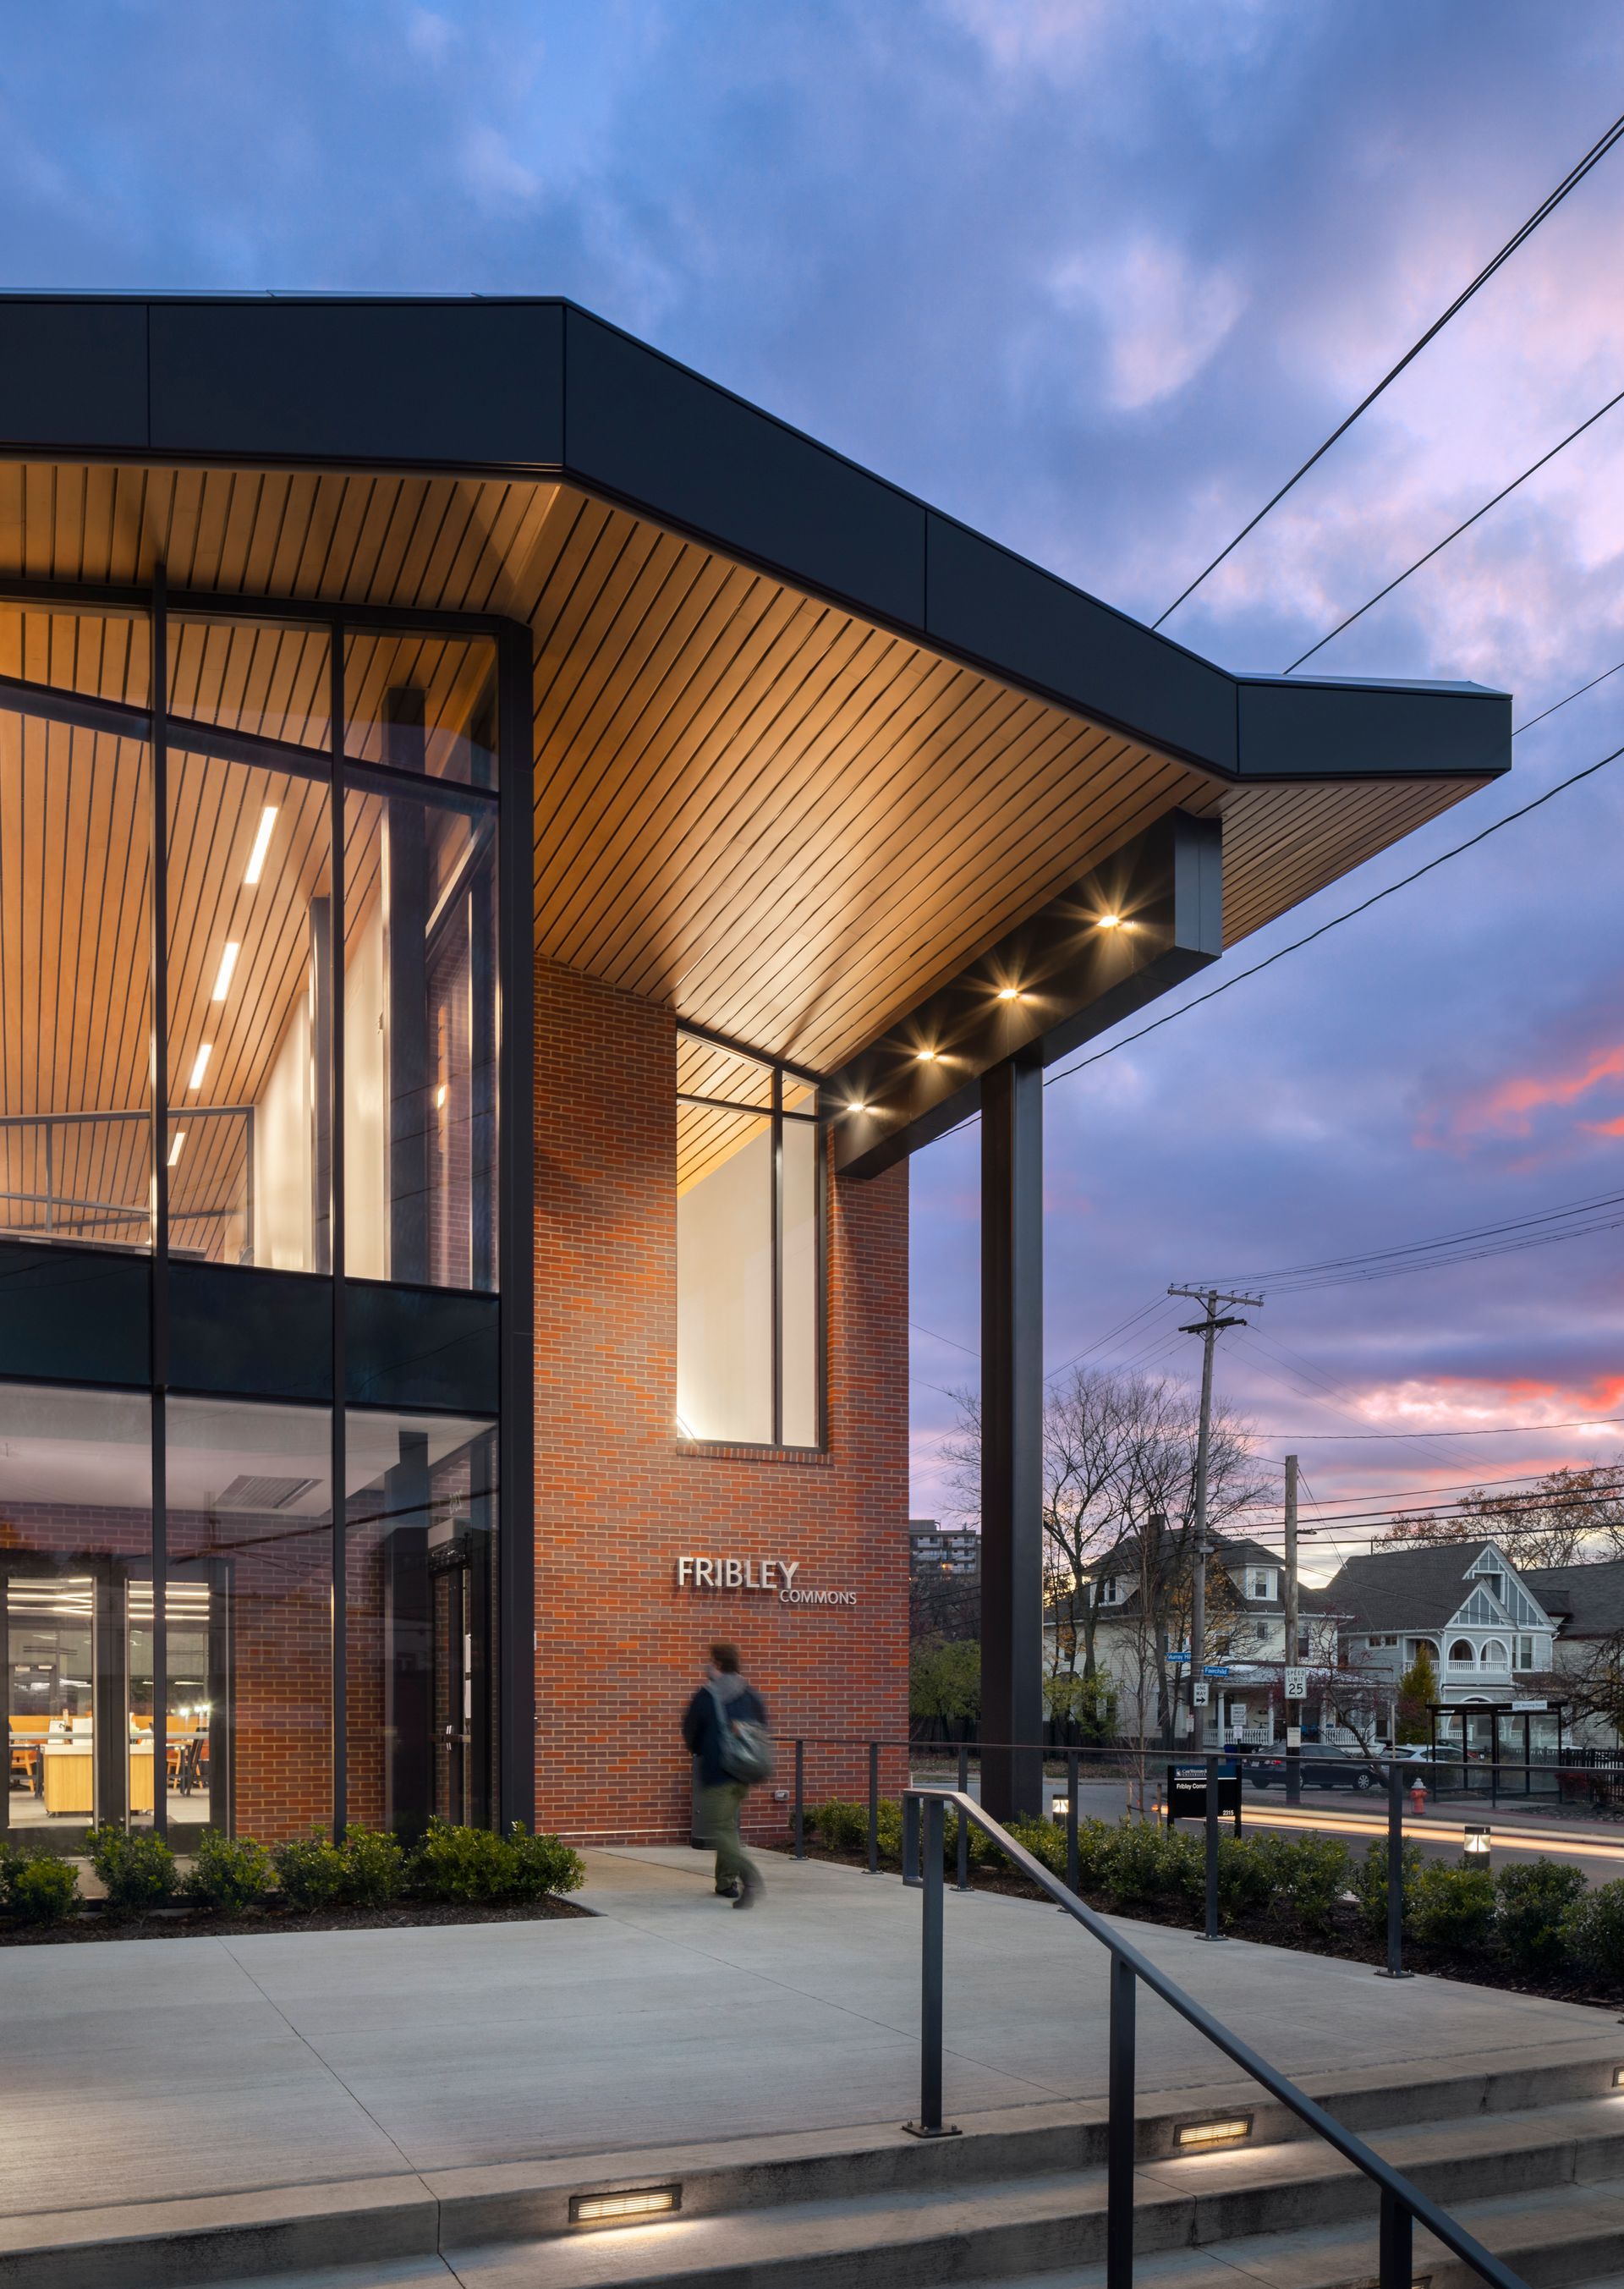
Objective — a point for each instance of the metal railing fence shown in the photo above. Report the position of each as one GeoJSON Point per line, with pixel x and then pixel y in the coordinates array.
{"type": "Point", "coordinates": [1403, 2205]}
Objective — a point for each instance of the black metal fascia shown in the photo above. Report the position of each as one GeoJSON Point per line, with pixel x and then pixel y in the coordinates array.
{"type": "Point", "coordinates": [532, 386]}
{"type": "Point", "coordinates": [1056, 980]}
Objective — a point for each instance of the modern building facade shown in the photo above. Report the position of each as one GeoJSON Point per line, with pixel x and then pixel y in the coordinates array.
{"type": "Point", "coordinates": [504, 851]}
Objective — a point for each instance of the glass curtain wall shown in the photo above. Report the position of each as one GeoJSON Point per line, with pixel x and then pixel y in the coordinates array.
{"type": "Point", "coordinates": [220, 1045]}
{"type": "Point", "coordinates": [749, 1249]}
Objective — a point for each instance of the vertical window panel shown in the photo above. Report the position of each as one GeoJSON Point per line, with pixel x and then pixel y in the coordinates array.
{"type": "Point", "coordinates": [798, 1292]}
{"type": "Point", "coordinates": [75, 1606]}
{"type": "Point", "coordinates": [420, 1041]}
{"type": "Point", "coordinates": [249, 1685]}
{"type": "Point", "coordinates": [105, 655]}
{"type": "Point", "coordinates": [724, 1274]}
{"type": "Point", "coordinates": [76, 1134]}
{"type": "Point", "coordinates": [420, 1590]}
{"type": "Point", "coordinates": [249, 1132]}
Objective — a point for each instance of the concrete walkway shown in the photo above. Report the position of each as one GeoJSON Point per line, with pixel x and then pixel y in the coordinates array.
{"type": "Point", "coordinates": [147, 2070]}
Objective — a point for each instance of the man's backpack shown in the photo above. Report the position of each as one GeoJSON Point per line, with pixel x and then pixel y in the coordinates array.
{"type": "Point", "coordinates": [744, 1747]}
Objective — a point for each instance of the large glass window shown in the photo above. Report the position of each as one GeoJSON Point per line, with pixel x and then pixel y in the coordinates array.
{"type": "Point", "coordinates": [419, 1570]}
{"type": "Point", "coordinates": [75, 1599]}
{"type": "Point", "coordinates": [749, 1253]}
{"type": "Point", "coordinates": [420, 1040]}
{"type": "Point", "coordinates": [75, 1130]}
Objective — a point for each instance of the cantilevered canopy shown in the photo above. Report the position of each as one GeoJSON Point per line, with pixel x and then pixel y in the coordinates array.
{"type": "Point", "coordinates": [808, 752]}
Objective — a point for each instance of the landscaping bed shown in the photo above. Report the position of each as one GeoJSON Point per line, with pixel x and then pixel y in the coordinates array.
{"type": "Point", "coordinates": [1533, 1927]}
{"type": "Point", "coordinates": [365, 1881]}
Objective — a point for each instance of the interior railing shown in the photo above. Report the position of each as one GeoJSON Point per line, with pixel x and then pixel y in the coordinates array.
{"type": "Point", "coordinates": [1403, 2205]}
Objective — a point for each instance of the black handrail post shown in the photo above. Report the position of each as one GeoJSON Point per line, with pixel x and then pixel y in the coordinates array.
{"type": "Point", "coordinates": [931, 2124]}
{"type": "Point", "coordinates": [910, 1840]}
{"type": "Point", "coordinates": [1212, 1931]}
{"type": "Point", "coordinates": [1396, 2259]}
{"type": "Point", "coordinates": [1073, 1875]}
{"type": "Point", "coordinates": [1395, 1888]}
{"type": "Point", "coordinates": [963, 1824]}
{"type": "Point", "coordinates": [1119, 2132]}
{"type": "Point", "coordinates": [873, 1807]}
{"type": "Point", "coordinates": [801, 1799]}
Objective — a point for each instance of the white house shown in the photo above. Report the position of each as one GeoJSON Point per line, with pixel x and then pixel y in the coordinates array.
{"type": "Point", "coordinates": [1490, 1638]}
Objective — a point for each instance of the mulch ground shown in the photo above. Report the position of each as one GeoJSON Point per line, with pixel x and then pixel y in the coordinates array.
{"type": "Point", "coordinates": [93, 1925]}
{"type": "Point", "coordinates": [1347, 1938]}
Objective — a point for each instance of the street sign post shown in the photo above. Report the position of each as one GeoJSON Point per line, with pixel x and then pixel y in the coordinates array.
{"type": "Point", "coordinates": [1199, 1691]}
{"type": "Point", "coordinates": [1296, 1685]}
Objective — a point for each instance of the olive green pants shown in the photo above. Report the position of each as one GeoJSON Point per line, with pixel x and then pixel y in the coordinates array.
{"type": "Point", "coordinates": [719, 1811]}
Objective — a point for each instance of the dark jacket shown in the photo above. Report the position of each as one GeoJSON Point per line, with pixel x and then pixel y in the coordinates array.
{"type": "Point", "coordinates": [702, 1726]}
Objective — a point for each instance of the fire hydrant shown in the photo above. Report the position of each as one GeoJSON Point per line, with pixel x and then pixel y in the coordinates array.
{"type": "Point", "coordinates": [1418, 1798]}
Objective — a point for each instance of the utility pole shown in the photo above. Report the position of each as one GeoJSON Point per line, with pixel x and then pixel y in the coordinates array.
{"type": "Point", "coordinates": [1294, 1756]}
{"type": "Point", "coordinates": [1209, 1330]}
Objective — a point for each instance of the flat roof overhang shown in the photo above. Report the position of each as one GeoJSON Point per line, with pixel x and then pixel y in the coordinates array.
{"type": "Point", "coordinates": [812, 759]}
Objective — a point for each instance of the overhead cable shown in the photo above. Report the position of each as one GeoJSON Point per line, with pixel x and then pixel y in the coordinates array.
{"type": "Point", "coordinates": [1547, 206]}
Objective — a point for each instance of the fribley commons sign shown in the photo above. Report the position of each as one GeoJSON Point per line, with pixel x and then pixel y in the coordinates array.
{"type": "Point", "coordinates": [776, 1575]}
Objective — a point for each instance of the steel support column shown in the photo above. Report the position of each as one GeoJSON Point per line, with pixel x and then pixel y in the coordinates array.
{"type": "Point", "coordinates": [1012, 1437]}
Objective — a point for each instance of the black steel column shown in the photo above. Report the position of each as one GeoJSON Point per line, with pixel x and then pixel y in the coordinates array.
{"type": "Point", "coordinates": [406, 927]}
{"type": "Point", "coordinates": [1011, 1438]}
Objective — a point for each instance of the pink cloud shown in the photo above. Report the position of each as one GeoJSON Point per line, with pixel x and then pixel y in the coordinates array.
{"type": "Point", "coordinates": [1508, 1107]}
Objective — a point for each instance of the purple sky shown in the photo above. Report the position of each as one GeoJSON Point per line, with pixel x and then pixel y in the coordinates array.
{"type": "Point", "coordinates": [1095, 277]}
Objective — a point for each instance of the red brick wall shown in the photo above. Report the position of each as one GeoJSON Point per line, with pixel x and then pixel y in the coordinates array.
{"type": "Point", "coordinates": [619, 1496]}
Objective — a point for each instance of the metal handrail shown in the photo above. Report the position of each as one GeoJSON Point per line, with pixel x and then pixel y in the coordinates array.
{"type": "Point", "coordinates": [1403, 2205]}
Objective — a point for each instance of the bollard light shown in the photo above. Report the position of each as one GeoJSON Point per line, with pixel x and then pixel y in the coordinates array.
{"type": "Point", "coordinates": [1477, 1843]}
{"type": "Point", "coordinates": [1059, 1804]}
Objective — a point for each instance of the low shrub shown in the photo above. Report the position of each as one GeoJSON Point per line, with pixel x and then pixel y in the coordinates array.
{"type": "Point", "coordinates": [136, 1868]}
{"type": "Point", "coordinates": [371, 1868]}
{"type": "Point", "coordinates": [1594, 1931]}
{"type": "Point", "coordinates": [1300, 1878]}
{"type": "Point", "coordinates": [542, 1864]}
{"type": "Point", "coordinates": [228, 1873]}
{"type": "Point", "coordinates": [1145, 1864]}
{"type": "Point", "coordinates": [1451, 1906]}
{"type": "Point", "coordinates": [36, 1888]}
{"type": "Point", "coordinates": [1046, 1840]}
{"type": "Point", "coordinates": [1370, 1886]}
{"type": "Point", "coordinates": [1533, 1901]}
{"type": "Point", "coordinates": [310, 1871]}
{"type": "Point", "coordinates": [841, 1823]}
{"type": "Point", "coordinates": [460, 1863]}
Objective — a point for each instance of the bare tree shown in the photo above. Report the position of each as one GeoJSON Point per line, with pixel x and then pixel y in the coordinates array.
{"type": "Point", "coordinates": [1568, 1517]}
{"type": "Point", "coordinates": [1119, 1491]}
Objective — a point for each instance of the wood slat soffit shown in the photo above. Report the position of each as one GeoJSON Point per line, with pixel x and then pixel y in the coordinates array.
{"type": "Point", "coordinates": [785, 822]}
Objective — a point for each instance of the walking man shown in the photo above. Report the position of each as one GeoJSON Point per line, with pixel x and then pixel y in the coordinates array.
{"type": "Point", "coordinates": [725, 1726]}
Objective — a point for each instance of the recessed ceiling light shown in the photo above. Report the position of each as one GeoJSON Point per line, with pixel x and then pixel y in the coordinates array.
{"type": "Point", "coordinates": [925, 1056]}
{"type": "Point", "coordinates": [1110, 922]}
{"type": "Point", "coordinates": [228, 962]}
{"type": "Point", "coordinates": [200, 1066]}
{"type": "Point", "coordinates": [174, 1151]}
{"type": "Point", "coordinates": [1010, 994]}
{"type": "Point", "coordinates": [857, 1106]}
{"type": "Point", "coordinates": [262, 843]}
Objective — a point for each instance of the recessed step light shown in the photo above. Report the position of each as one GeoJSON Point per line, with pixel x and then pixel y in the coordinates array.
{"type": "Point", "coordinates": [633, 2208]}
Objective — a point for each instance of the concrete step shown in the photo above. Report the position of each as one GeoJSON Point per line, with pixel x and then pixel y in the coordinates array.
{"type": "Point", "coordinates": [1019, 2191]}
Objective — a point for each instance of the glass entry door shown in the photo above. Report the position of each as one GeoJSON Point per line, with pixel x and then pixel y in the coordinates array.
{"type": "Point", "coordinates": [78, 1712]}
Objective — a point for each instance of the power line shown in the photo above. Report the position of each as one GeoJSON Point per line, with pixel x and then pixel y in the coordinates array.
{"type": "Point", "coordinates": [1557, 704]}
{"type": "Point", "coordinates": [1484, 1431]}
{"type": "Point", "coordinates": [1336, 921]}
{"type": "Point", "coordinates": [1547, 206]}
{"type": "Point", "coordinates": [1285, 1278]}
{"type": "Point", "coordinates": [1477, 514]}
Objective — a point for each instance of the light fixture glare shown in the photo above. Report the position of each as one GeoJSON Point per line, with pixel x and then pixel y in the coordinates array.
{"type": "Point", "coordinates": [1010, 994]}
{"type": "Point", "coordinates": [925, 1056]}
{"type": "Point", "coordinates": [856, 1105]}
{"type": "Point", "coordinates": [228, 962]}
{"type": "Point", "coordinates": [629, 2208]}
{"type": "Point", "coordinates": [1110, 922]}
{"type": "Point", "coordinates": [1224, 2132]}
{"type": "Point", "coordinates": [200, 1066]}
{"type": "Point", "coordinates": [262, 843]}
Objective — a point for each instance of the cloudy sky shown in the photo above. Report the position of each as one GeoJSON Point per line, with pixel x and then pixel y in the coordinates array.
{"type": "Point", "coordinates": [1094, 278]}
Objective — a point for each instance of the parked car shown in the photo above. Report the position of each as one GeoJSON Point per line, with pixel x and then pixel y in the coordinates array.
{"type": "Point", "coordinates": [1330, 1766]}
{"type": "Point", "coordinates": [1338, 1765]}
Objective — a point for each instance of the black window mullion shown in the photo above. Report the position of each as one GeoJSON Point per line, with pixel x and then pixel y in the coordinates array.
{"type": "Point", "coordinates": [335, 1246]}
{"type": "Point", "coordinates": [158, 772]}
{"type": "Point", "coordinates": [777, 1255]}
